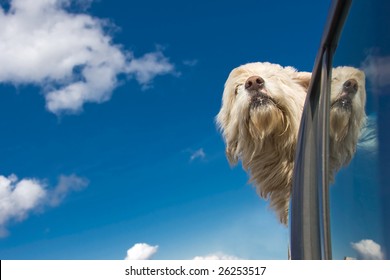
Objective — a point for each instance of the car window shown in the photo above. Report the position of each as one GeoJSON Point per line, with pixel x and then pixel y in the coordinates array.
{"type": "Point", "coordinates": [359, 195]}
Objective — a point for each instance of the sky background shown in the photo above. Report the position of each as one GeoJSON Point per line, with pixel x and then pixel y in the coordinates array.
{"type": "Point", "coordinates": [108, 135]}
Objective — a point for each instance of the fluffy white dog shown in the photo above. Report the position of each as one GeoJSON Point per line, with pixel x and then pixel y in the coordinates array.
{"type": "Point", "coordinates": [347, 115]}
{"type": "Point", "coordinates": [260, 115]}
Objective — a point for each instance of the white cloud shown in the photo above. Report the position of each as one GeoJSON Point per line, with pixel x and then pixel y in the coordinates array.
{"type": "Point", "coordinates": [216, 256]}
{"type": "Point", "coordinates": [141, 251]}
{"type": "Point", "coordinates": [367, 249]}
{"type": "Point", "coordinates": [69, 55]}
{"type": "Point", "coordinates": [20, 197]}
{"type": "Point", "coordinates": [198, 154]}
{"type": "Point", "coordinates": [377, 70]}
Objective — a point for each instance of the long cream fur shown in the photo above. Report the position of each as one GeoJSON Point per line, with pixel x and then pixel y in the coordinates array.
{"type": "Point", "coordinates": [264, 137]}
{"type": "Point", "coordinates": [346, 122]}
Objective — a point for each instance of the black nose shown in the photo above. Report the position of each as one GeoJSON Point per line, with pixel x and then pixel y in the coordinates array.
{"type": "Point", "coordinates": [350, 86]}
{"type": "Point", "coordinates": [254, 83]}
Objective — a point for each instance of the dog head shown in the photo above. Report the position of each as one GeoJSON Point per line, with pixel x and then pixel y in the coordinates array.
{"type": "Point", "coordinates": [259, 119]}
{"type": "Point", "coordinates": [347, 115]}
{"type": "Point", "coordinates": [261, 101]}
{"type": "Point", "coordinates": [348, 99]}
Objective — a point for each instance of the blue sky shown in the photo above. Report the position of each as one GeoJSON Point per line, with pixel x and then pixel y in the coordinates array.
{"type": "Point", "coordinates": [107, 113]}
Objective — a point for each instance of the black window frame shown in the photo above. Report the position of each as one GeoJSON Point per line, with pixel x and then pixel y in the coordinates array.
{"type": "Point", "coordinates": [310, 234]}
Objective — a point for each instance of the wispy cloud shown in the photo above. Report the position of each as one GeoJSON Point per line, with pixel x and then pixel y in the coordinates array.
{"type": "Point", "coordinates": [147, 67]}
{"type": "Point", "coordinates": [368, 140]}
{"type": "Point", "coordinates": [216, 256]}
{"type": "Point", "coordinates": [18, 198]}
{"type": "Point", "coordinates": [377, 70]}
{"type": "Point", "coordinates": [190, 62]}
{"type": "Point", "coordinates": [70, 56]}
{"type": "Point", "coordinates": [141, 251]}
{"type": "Point", "coordinates": [66, 184]}
{"type": "Point", "coordinates": [198, 154]}
{"type": "Point", "coordinates": [368, 249]}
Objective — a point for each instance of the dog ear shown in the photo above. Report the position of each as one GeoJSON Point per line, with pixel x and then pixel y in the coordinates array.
{"type": "Point", "coordinates": [361, 75]}
{"type": "Point", "coordinates": [231, 154]}
{"type": "Point", "coordinates": [222, 120]}
{"type": "Point", "coordinates": [303, 79]}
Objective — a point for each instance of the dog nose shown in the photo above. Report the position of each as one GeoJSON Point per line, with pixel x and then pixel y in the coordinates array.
{"type": "Point", "coordinates": [350, 86]}
{"type": "Point", "coordinates": [254, 83]}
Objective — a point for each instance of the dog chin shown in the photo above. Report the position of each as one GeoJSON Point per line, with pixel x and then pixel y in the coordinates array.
{"type": "Point", "coordinates": [339, 121]}
{"type": "Point", "coordinates": [340, 115]}
{"type": "Point", "coordinates": [265, 120]}
{"type": "Point", "coordinates": [343, 103]}
{"type": "Point", "coordinates": [260, 100]}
